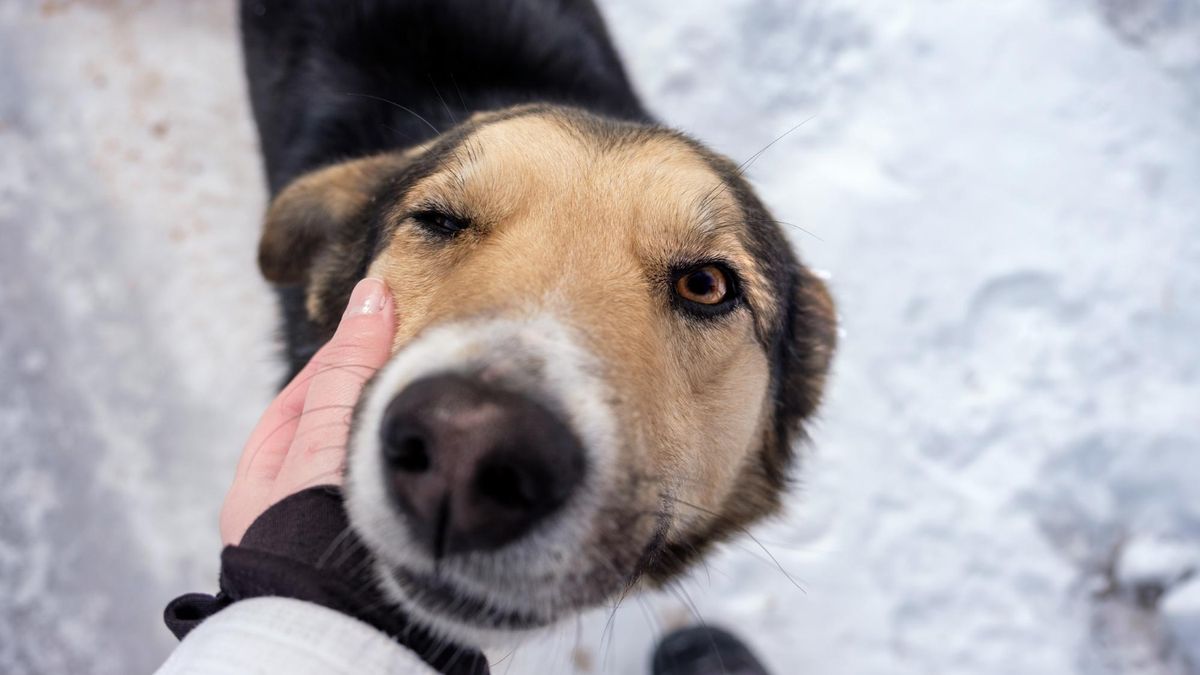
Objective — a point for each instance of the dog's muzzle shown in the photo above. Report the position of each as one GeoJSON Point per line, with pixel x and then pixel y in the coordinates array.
{"type": "Point", "coordinates": [481, 457]}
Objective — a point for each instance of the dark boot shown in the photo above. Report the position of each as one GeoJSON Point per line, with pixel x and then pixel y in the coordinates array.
{"type": "Point", "coordinates": [704, 650]}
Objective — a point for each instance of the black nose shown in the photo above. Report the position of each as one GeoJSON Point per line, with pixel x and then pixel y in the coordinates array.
{"type": "Point", "coordinates": [474, 467]}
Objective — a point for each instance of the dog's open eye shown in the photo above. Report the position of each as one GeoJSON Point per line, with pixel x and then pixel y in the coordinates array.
{"type": "Point", "coordinates": [708, 288]}
{"type": "Point", "coordinates": [439, 223]}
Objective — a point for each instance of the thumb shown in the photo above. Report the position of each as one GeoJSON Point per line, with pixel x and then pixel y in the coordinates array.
{"type": "Point", "coordinates": [357, 350]}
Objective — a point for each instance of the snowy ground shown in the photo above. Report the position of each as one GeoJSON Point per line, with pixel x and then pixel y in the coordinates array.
{"type": "Point", "coordinates": [1006, 195]}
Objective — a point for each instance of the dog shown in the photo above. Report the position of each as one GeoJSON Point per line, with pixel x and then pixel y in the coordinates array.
{"type": "Point", "coordinates": [606, 349]}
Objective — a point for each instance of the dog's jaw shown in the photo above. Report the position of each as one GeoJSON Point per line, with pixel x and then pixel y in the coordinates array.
{"type": "Point", "coordinates": [540, 357]}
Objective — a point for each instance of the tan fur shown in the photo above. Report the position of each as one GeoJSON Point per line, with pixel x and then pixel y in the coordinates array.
{"type": "Point", "coordinates": [588, 227]}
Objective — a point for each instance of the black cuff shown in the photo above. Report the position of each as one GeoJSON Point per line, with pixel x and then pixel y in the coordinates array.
{"type": "Point", "coordinates": [188, 610]}
{"type": "Point", "coordinates": [303, 548]}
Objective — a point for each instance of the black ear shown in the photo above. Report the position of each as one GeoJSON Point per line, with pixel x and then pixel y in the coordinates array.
{"type": "Point", "coordinates": [812, 340]}
{"type": "Point", "coordinates": [804, 353]}
{"type": "Point", "coordinates": [309, 213]}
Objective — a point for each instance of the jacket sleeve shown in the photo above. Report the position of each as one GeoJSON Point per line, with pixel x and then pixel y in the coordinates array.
{"type": "Point", "coordinates": [303, 549]}
{"type": "Point", "coordinates": [283, 635]}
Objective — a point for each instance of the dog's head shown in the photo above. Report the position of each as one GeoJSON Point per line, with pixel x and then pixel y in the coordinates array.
{"type": "Point", "coordinates": [605, 350]}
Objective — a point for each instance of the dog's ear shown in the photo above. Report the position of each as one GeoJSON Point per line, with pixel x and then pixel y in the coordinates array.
{"type": "Point", "coordinates": [813, 340]}
{"type": "Point", "coordinates": [807, 346]}
{"type": "Point", "coordinates": [308, 214]}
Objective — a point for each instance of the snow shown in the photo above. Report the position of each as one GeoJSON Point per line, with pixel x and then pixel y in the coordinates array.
{"type": "Point", "coordinates": [1006, 197]}
{"type": "Point", "coordinates": [1151, 561]}
{"type": "Point", "coordinates": [1182, 610]}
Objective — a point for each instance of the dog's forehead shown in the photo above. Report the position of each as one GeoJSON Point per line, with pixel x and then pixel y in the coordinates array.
{"type": "Point", "coordinates": [634, 169]}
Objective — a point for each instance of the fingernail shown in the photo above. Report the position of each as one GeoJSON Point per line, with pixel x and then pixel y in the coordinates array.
{"type": "Point", "coordinates": [367, 298]}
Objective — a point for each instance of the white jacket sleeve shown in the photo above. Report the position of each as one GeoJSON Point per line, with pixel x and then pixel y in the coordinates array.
{"type": "Point", "coordinates": [280, 635]}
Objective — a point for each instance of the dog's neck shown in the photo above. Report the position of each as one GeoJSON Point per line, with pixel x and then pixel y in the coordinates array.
{"type": "Point", "coordinates": [365, 77]}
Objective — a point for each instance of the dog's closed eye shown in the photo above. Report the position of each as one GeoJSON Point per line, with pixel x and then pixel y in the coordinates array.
{"type": "Point", "coordinates": [439, 223]}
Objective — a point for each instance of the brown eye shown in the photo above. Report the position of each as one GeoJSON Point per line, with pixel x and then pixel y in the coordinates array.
{"type": "Point", "coordinates": [706, 285]}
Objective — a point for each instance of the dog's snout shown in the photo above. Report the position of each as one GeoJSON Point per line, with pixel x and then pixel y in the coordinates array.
{"type": "Point", "coordinates": [472, 466]}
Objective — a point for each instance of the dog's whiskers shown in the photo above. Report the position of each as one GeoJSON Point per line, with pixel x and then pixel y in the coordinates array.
{"type": "Point", "coordinates": [741, 169]}
{"type": "Point", "coordinates": [333, 545]}
{"type": "Point", "coordinates": [461, 100]}
{"type": "Point", "coordinates": [687, 601]}
{"type": "Point", "coordinates": [397, 105]}
{"type": "Point", "coordinates": [743, 530]}
{"type": "Point", "coordinates": [804, 230]}
{"type": "Point", "coordinates": [445, 107]}
{"type": "Point", "coordinates": [287, 422]}
{"type": "Point", "coordinates": [719, 519]}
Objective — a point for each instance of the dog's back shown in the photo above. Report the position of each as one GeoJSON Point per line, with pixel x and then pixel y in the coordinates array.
{"type": "Point", "coordinates": [336, 79]}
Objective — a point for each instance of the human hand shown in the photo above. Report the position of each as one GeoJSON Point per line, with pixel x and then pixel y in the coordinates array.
{"type": "Point", "coordinates": [300, 441]}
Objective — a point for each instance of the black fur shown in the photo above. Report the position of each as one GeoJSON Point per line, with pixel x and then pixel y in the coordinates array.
{"type": "Point", "coordinates": [332, 80]}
